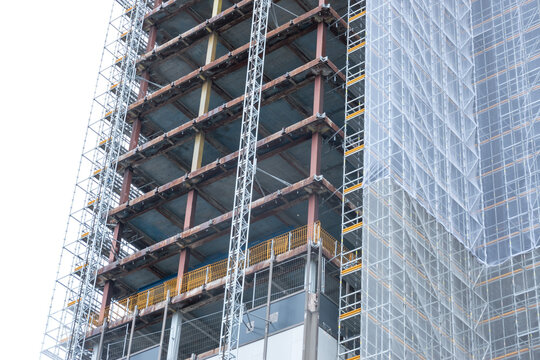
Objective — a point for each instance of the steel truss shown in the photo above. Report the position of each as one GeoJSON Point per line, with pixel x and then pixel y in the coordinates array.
{"type": "Point", "coordinates": [247, 165]}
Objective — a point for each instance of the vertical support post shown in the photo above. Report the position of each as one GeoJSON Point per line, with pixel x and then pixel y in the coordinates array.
{"type": "Point", "coordinates": [311, 316]}
{"type": "Point", "coordinates": [254, 288]}
{"type": "Point", "coordinates": [198, 146]}
{"type": "Point", "coordinates": [128, 174]}
{"type": "Point", "coordinates": [289, 241]}
{"type": "Point", "coordinates": [174, 336]}
{"type": "Point", "coordinates": [132, 331]}
{"type": "Point", "coordinates": [268, 300]}
{"type": "Point", "coordinates": [191, 205]}
{"type": "Point", "coordinates": [318, 108]}
{"type": "Point", "coordinates": [183, 265]}
{"type": "Point", "coordinates": [163, 326]}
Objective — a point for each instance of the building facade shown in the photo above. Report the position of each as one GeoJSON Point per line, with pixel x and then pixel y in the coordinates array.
{"type": "Point", "coordinates": [395, 209]}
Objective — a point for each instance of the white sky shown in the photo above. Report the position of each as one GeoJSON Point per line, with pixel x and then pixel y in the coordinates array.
{"type": "Point", "coordinates": [49, 63]}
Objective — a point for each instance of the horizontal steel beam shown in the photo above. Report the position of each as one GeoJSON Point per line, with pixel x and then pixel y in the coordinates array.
{"type": "Point", "coordinates": [219, 226]}
{"type": "Point", "coordinates": [226, 166]}
{"type": "Point", "coordinates": [228, 112]}
{"type": "Point", "coordinates": [219, 23]}
{"type": "Point", "coordinates": [225, 64]}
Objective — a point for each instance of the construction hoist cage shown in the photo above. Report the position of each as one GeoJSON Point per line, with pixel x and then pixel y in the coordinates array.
{"type": "Point", "coordinates": [245, 174]}
{"type": "Point", "coordinates": [87, 243]}
{"type": "Point", "coordinates": [350, 288]}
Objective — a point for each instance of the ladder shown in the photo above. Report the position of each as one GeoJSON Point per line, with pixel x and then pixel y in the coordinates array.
{"type": "Point", "coordinates": [350, 288]}
{"type": "Point", "coordinates": [87, 242]}
{"type": "Point", "coordinates": [245, 174]}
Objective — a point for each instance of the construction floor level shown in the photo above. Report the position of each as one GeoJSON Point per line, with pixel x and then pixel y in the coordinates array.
{"type": "Point", "coordinates": [395, 209]}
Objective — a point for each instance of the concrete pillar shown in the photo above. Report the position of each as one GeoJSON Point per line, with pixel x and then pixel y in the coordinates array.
{"type": "Point", "coordinates": [174, 336]}
{"type": "Point", "coordinates": [310, 277]}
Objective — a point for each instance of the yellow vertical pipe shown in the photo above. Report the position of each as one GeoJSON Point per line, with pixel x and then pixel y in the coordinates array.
{"type": "Point", "coordinates": [206, 90]}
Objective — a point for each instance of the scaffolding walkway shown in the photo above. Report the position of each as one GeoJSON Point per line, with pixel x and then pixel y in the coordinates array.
{"type": "Point", "coordinates": [87, 241]}
{"type": "Point", "coordinates": [353, 170]}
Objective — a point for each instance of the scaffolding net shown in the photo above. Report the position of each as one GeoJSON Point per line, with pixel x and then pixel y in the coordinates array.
{"type": "Point", "coordinates": [451, 179]}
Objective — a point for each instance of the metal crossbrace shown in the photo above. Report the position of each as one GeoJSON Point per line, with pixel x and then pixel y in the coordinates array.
{"type": "Point", "coordinates": [245, 174]}
{"type": "Point", "coordinates": [75, 301]}
{"type": "Point", "coordinates": [350, 292]}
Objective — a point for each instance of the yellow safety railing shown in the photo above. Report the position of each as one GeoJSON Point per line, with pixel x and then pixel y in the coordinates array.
{"type": "Point", "coordinates": [206, 274]}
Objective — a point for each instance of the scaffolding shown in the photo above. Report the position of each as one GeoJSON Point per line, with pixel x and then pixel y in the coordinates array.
{"type": "Point", "coordinates": [245, 175]}
{"type": "Point", "coordinates": [439, 250]}
{"type": "Point", "coordinates": [87, 241]}
{"type": "Point", "coordinates": [350, 289]}
{"type": "Point", "coordinates": [422, 196]}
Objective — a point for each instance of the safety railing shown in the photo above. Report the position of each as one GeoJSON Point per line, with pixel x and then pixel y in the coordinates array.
{"type": "Point", "coordinates": [195, 278]}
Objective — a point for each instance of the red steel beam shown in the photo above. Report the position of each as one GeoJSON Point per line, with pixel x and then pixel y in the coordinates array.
{"type": "Point", "coordinates": [223, 167]}
{"type": "Point", "coordinates": [183, 265]}
{"type": "Point", "coordinates": [227, 112]}
{"type": "Point", "coordinates": [275, 39]}
{"type": "Point", "coordinates": [200, 234]}
{"type": "Point", "coordinates": [318, 108]}
{"type": "Point", "coordinates": [179, 44]}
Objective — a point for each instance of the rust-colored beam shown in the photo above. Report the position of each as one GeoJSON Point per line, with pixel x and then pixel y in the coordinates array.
{"type": "Point", "coordinates": [223, 167]}
{"type": "Point", "coordinates": [318, 108]}
{"type": "Point", "coordinates": [198, 144]}
{"type": "Point", "coordinates": [181, 43]}
{"type": "Point", "coordinates": [227, 112]}
{"type": "Point", "coordinates": [163, 12]}
{"type": "Point", "coordinates": [227, 63]}
{"type": "Point", "coordinates": [198, 235]}
{"type": "Point", "coordinates": [221, 23]}
{"type": "Point", "coordinates": [311, 315]}
{"type": "Point", "coordinates": [183, 266]}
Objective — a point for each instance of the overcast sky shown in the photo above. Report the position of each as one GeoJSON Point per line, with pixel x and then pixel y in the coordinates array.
{"type": "Point", "coordinates": [50, 59]}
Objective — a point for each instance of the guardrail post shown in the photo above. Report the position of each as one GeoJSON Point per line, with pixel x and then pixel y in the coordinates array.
{"type": "Point", "coordinates": [147, 298]}
{"type": "Point", "coordinates": [335, 248]}
{"type": "Point", "coordinates": [268, 300]}
{"type": "Point", "coordinates": [289, 240]}
{"type": "Point", "coordinates": [254, 287]}
{"type": "Point", "coordinates": [318, 233]}
{"type": "Point", "coordinates": [207, 271]}
{"type": "Point", "coordinates": [163, 326]}
{"type": "Point", "coordinates": [247, 259]}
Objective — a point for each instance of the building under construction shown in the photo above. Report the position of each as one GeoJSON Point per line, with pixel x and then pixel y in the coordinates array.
{"type": "Point", "coordinates": [307, 179]}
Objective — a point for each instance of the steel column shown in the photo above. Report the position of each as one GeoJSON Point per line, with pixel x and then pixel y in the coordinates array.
{"type": "Point", "coordinates": [183, 265]}
{"type": "Point", "coordinates": [311, 308]}
{"type": "Point", "coordinates": [204, 103]}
